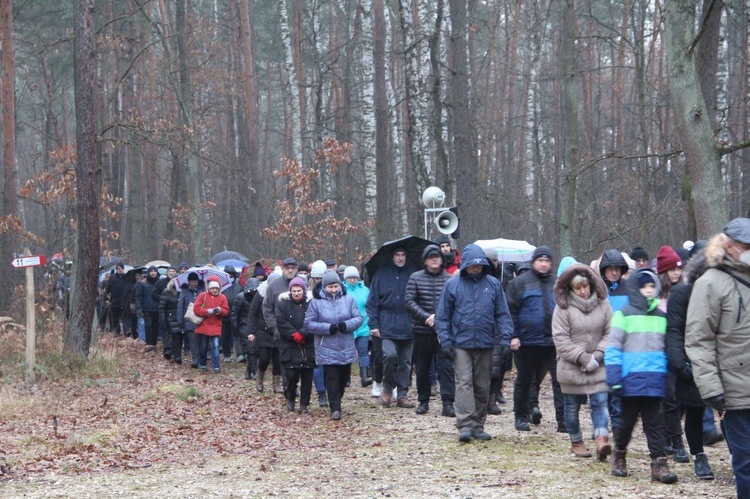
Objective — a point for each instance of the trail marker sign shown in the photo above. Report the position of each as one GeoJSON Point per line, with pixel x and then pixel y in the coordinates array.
{"type": "Point", "coordinates": [29, 261]}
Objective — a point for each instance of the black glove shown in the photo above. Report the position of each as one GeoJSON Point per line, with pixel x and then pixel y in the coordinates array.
{"type": "Point", "coordinates": [449, 353]}
{"type": "Point", "coordinates": [333, 329]}
{"type": "Point", "coordinates": [716, 402]}
{"type": "Point", "coordinates": [342, 327]}
{"type": "Point", "coordinates": [503, 352]}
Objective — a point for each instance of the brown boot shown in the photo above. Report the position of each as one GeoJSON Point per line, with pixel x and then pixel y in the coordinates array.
{"type": "Point", "coordinates": [259, 382]}
{"type": "Point", "coordinates": [619, 466]}
{"type": "Point", "coordinates": [386, 396]}
{"type": "Point", "coordinates": [277, 387]}
{"type": "Point", "coordinates": [660, 471]}
{"type": "Point", "coordinates": [579, 449]}
{"type": "Point", "coordinates": [603, 448]}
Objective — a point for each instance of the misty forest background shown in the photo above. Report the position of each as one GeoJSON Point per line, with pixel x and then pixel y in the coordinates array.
{"type": "Point", "coordinates": [312, 127]}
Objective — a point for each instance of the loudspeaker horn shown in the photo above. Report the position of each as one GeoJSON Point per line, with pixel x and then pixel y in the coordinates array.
{"type": "Point", "coordinates": [433, 197]}
{"type": "Point", "coordinates": [446, 222]}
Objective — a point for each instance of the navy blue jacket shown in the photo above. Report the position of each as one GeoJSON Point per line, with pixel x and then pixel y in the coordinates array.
{"type": "Point", "coordinates": [386, 309]}
{"type": "Point", "coordinates": [473, 313]}
{"type": "Point", "coordinates": [531, 305]}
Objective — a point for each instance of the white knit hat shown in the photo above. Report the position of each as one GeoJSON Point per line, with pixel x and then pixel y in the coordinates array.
{"type": "Point", "coordinates": [318, 268]}
{"type": "Point", "coordinates": [351, 272]}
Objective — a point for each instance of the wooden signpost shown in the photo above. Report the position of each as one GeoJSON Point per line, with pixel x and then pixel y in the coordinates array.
{"type": "Point", "coordinates": [29, 261]}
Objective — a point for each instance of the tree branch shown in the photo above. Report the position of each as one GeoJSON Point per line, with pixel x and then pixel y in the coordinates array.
{"type": "Point", "coordinates": [704, 28]}
{"type": "Point", "coordinates": [734, 147]}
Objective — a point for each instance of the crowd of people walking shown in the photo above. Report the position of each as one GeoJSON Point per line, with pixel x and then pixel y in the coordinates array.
{"type": "Point", "coordinates": [630, 337]}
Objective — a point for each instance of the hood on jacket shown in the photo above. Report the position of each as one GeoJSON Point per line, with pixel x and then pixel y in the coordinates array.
{"type": "Point", "coordinates": [474, 255]}
{"type": "Point", "coordinates": [696, 267]}
{"type": "Point", "coordinates": [562, 285]}
{"type": "Point", "coordinates": [319, 293]}
{"type": "Point", "coordinates": [612, 258]}
{"type": "Point", "coordinates": [716, 250]}
{"type": "Point", "coordinates": [635, 298]}
{"type": "Point", "coordinates": [564, 264]}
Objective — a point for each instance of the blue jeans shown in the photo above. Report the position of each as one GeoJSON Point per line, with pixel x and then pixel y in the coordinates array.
{"type": "Point", "coordinates": [709, 423]}
{"type": "Point", "coordinates": [364, 357]}
{"type": "Point", "coordinates": [318, 379]}
{"type": "Point", "coordinates": [205, 343]}
{"type": "Point", "coordinates": [737, 426]}
{"type": "Point", "coordinates": [599, 414]}
{"type": "Point", "coordinates": [142, 329]}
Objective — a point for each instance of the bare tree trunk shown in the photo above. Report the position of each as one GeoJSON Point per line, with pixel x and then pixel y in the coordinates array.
{"type": "Point", "coordinates": [693, 121]}
{"type": "Point", "coordinates": [707, 54]}
{"type": "Point", "coordinates": [8, 239]}
{"type": "Point", "coordinates": [467, 188]}
{"type": "Point", "coordinates": [570, 110]}
{"type": "Point", "coordinates": [385, 227]}
{"type": "Point", "coordinates": [88, 185]}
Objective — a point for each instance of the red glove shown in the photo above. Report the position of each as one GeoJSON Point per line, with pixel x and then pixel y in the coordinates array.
{"type": "Point", "coordinates": [298, 339]}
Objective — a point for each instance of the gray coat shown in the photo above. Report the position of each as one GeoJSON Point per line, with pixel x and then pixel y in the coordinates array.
{"type": "Point", "coordinates": [333, 349]}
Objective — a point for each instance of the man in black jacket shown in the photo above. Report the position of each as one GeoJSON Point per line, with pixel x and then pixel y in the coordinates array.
{"type": "Point", "coordinates": [227, 338]}
{"type": "Point", "coordinates": [117, 290]}
{"type": "Point", "coordinates": [423, 291]}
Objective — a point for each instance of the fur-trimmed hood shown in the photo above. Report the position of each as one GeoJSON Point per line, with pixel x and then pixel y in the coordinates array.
{"type": "Point", "coordinates": [285, 296]}
{"type": "Point", "coordinates": [717, 256]}
{"type": "Point", "coordinates": [561, 290]}
{"type": "Point", "coordinates": [695, 267]}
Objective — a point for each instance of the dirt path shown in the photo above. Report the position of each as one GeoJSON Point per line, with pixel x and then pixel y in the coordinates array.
{"type": "Point", "coordinates": [139, 436]}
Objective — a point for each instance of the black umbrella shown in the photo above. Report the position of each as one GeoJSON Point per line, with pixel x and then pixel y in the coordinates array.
{"type": "Point", "coordinates": [412, 245]}
{"type": "Point", "coordinates": [228, 255]}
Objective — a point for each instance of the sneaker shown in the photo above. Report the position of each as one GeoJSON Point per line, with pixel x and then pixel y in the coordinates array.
{"type": "Point", "coordinates": [377, 389]}
{"type": "Point", "coordinates": [336, 415]}
{"type": "Point", "coordinates": [702, 469]}
{"type": "Point", "coordinates": [536, 416]}
{"type": "Point", "coordinates": [227, 359]}
{"type": "Point", "coordinates": [203, 368]}
{"type": "Point", "coordinates": [290, 405]}
{"type": "Point", "coordinates": [304, 410]}
{"type": "Point", "coordinates": [448, 410]}
{"type": "Point", "coordinates": [322, 399]}
{"type": "Point", "coordinates": [522, 425]}
{"type": "Point", "coordinates": [194, 365]}
{"type": "Point", "coordinates": [217, 370]}
{"type": "Point", "coordinates": [242, 359]}
{"type": "Point", "coordinates": [500, 399]}
{"type": "Point", "coordinates": [464, 436]}
{"type": "Point", "coordinates": [481, 435]}
{"type": "Point", "coordinates": [423, 408]}
{"type": "Point", "coordinates": [178, 360]}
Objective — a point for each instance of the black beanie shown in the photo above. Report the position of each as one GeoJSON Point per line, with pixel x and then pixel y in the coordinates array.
{"type": "Point", "coordinates": [645, 278]}
{"type": "Point", "coordinates": [542, 251]}
{"type": "Point", "coordinates": [638, 252]}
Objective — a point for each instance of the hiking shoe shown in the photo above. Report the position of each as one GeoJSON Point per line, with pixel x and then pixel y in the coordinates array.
{"type": "Point", "coordinates": [712, 437]}
{"type": "Point", "coordinates": [464, 436]}
{"type": "Point", "coordinates": [579, 449]}
{"type": "Point", "coordinates": [423, 408]}
{"type": "Point", "coordinates": [618, 464]}
{"type": "Point", "coordinates": [660, 471]}
{"type": "Point", "coordinates": [702, 469]}
{"type": "Point", "coordinates": [404, 403]}
{"type": "Point", "coordinates": [322, 399]}
{"type": "Point", "coordinates": [241, 358]}
{"type": "Point", "coordinates": [178, 361]}
{"type": "Point", "coordinates": [681, 455]}
{"type": "Point", "coordinates": [386, 397]}
{"type": "Point", "coordinates": [481, 435]}
{"type": "Point", "coordinates": [217, 370]}
{"type": "Point", "coordinates": [603, 448]}
{"type": "Point", "coordinates": [536, 416]}
{"type": "Point", "coordinates": [500, 399]}
{"type": "Point", "coordinates": [522, 425]}
{"type": "Point", "coordinates": [227, 359]}
{"type": "Point", "coordinates": [304, 410]}
{"type": "Point", "coordinates": [336, 415]}
{"type": "Point", "coordinates": [448, 410]}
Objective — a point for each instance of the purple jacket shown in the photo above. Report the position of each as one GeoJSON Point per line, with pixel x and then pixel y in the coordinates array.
{"type": "Point", "coordinates": [333, 349]}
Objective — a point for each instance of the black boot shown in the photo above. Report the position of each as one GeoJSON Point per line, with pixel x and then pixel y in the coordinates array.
{"type": "Point", "coordinates": [492, 407]}
{"type": "Point", "coordinates": [363, 377]}
{"type": "Point", "coordinates": [680, 454]}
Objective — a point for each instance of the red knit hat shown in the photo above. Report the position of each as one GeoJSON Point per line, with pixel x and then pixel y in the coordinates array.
{"type": "Point", "coordinates": [667, 259]}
